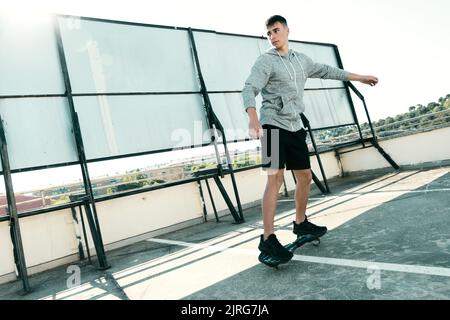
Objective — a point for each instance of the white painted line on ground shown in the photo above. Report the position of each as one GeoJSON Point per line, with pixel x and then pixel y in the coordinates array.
{"type": "Point", "coordinates": [433, 271]}
{"type": "Point", "coordinates": [344, 193]}
{"type": "Point", "coordinates": [204, 246]}
{"type": "Point", "coordinates": [397, 190]}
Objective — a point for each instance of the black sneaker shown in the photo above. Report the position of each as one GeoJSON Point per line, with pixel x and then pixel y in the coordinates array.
{"type": "Point", "coordinates": [307, 228]}
{"type": "Point", "coordinates": [272, 247]}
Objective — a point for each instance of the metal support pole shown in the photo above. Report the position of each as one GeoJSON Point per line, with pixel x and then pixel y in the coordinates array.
{"type": "Point", "coordinates": [230, 205]}
{"type": "Point", "coordinates": [16, 238]}
{"type": "Point", "coordinates": [318, 183]}
{"type": "Point", "coordinates": [360, 96]}
{"type": "Point", "coordinates": [386, 156]}
{"type": "Point", "coordinates": [286, 194]}
{"type": "Point", "coordinates": [214, 139]}
{"type": "Point", "coordinates": [349, 97]}
{"type": "Point", "coordinates": [91, 214]}
{"type": "Point", "coordinates": [233, 181]}
{"type": "Point", "coordinates": [78, 234]}
{"type": "Point", "coordinates": [374, 137]}
{"type": "Point", "coordinates": [85, 235]}
{"type": "Point", "coordinates": [212, 200]}
{"type": "Point", "coordinates": [215, 125]}
{"type": "Point", "coordinates": [205, 213]}
{"type": "Point", "coordinates": [322, 171]}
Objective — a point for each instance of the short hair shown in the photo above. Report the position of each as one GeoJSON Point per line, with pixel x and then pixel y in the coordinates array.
{"type": "Point", "coordinates": [274, 19]}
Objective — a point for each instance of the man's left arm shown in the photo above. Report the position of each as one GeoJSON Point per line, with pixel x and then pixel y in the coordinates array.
{"type": "Point", "coordinates": [323, 71]}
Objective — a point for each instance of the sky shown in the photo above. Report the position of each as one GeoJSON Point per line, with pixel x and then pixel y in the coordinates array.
{"type": "Point", "coordinates": [405, 43]}
{"type": "Point", "coordinates": [402, 42]}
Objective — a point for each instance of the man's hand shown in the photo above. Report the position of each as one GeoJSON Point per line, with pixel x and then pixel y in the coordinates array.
{"type": "Point", "coordinates": [370, 80]}
{"type": "Point", "coordinates": [255, 129]}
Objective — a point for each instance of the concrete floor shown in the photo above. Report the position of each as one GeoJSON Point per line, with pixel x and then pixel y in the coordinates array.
{"type": "Point", "coordinates": [389, 238]}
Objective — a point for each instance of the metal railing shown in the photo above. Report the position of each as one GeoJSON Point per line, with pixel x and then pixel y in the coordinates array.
{"type": "Point", "coordinates": [411, 128]}
{"type": "Point", "coordinates": [250, 155]}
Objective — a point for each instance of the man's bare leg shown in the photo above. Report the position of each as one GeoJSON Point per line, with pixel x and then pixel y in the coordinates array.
{"type": "Point", "coordinates": [302, 189]}
{"type": "Point", "coordinates": [269, 202]}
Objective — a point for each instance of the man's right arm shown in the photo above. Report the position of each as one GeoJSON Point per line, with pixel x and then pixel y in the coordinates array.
{"type": "Point", "coordinates": [257, 80]}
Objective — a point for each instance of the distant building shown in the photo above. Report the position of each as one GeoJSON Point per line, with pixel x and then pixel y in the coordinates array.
{"type": "Point", "coordinates": [23, 203]}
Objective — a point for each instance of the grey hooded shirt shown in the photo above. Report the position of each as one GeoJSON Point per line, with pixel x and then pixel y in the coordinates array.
{"type": "Point", "coordinates": [281, 80]}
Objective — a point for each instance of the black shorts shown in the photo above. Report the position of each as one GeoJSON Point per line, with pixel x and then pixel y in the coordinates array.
{"type": "Point", "coordinates": [291, 150]}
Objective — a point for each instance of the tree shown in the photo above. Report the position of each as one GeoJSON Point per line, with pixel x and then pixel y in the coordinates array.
{"type": "Point", "coordinates": [389, 120]}
{"type": "Point", "coordinates": [432, 105]}
{"type": "Point", "coordinates": [447, 102]}
{"type": "Point", "coordinates": [141, 176]}
{"type": "Point", "coordinates": [438, 108]}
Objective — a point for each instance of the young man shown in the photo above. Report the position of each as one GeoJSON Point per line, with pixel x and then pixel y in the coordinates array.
{"type": "Point", "coordinates": [280, 75]}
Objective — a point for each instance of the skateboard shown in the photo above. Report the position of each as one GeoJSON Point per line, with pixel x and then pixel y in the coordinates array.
{"type": "Point", "coordinates": [297, 243]}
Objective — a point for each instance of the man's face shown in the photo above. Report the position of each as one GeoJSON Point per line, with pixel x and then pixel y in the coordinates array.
{"type": "Point", "coordinates": [278, 34]}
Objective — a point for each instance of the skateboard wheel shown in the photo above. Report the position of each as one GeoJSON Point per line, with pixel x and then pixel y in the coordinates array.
{"type": "Point", "coordinates": [316, 242]}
